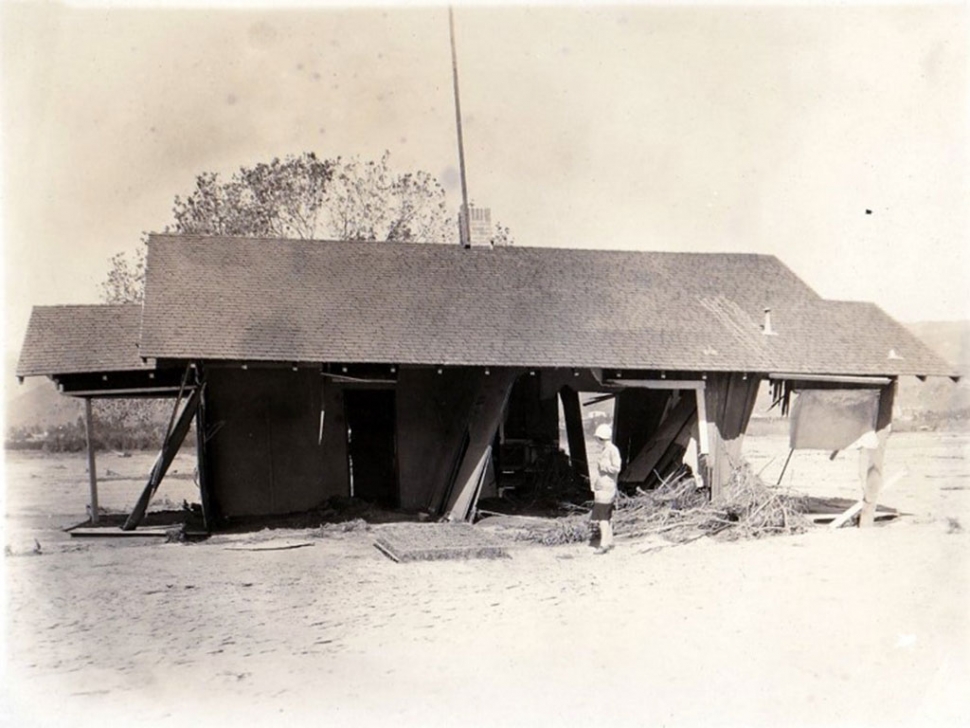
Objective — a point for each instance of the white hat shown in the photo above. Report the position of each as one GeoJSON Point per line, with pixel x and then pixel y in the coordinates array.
{"type": "Point", "coordinates": [604, 432]}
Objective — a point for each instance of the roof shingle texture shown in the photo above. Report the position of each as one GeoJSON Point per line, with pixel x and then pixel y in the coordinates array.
{"type": "Point", "coordinates": [79, 339]}
{"type": "Point", "coordinates": [405, 303]}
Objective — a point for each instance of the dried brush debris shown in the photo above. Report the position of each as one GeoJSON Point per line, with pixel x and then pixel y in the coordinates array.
{"type": "Point", "coordinates": [680, 511]}
{"type": "Point", "coordinates": [355, 524]}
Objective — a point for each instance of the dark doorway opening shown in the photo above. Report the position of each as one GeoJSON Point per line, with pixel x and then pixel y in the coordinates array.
{"type": "Point", "coordinates": [371, 445]}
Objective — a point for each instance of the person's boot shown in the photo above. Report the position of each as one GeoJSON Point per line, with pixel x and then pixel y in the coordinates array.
{"type": "Point", "coordinates": [606, 537]}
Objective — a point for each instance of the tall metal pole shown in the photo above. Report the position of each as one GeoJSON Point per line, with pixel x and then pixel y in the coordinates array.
{"type": "Point", "coordinates": [464, 229]}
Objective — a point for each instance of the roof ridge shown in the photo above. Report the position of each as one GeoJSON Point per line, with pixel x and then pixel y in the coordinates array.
{"type": "Point", "coordinates": [87, 305]}
{"type": "Point", "coordinates": [501, 249]}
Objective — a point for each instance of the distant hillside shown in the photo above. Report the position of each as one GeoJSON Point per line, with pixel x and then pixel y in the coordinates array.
{"type": "Point", "coordinates": [939, 396]}
{"type": "Point", "coordinates": [949, 339]}
{"type": "Point", "coordinates": [37, 402]}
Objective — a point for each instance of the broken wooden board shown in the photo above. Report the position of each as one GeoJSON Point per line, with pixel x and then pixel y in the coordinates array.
{"type": "Point", "coordinates": [405, 542]}
{"type": "Point", "coordinates": [828, 510]}
{"type": "Point", "coordinates": [271, 547]}
{"type": "Point", "coordinates": [821, 519]}
{"type": "Point", "coordinates": [646, 460]}
{"type": "Point", "coordinates": [116, 532]}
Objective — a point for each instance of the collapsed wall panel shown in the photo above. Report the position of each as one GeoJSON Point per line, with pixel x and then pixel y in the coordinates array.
{"type": "Point", "coordinates": [674, 430]}
{"type": "Point", "coordinates": [264, 450]}
{"type": "Point", "coordinates": [432, 418]}
{"type": "Point", "coordinates": [636, 419]}
{"type": "Point", "coordinates": [484, 418]}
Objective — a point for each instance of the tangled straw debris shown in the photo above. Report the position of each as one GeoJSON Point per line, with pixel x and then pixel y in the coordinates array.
{"type": "Point", "coordinates": [679, 511]}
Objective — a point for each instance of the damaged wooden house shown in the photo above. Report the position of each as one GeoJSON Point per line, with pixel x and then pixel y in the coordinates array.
{"type": "Point", "coordinates": [404, 373]}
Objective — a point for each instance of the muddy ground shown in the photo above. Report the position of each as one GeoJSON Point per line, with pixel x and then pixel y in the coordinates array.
{"type": "Point", "coordinates": [850, 627]}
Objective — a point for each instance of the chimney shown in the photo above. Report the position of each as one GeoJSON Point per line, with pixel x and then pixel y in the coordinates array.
{"type": "Point", "coordinates": [479, 226]}
{"type": "Point", "coordinates": [766, 326]}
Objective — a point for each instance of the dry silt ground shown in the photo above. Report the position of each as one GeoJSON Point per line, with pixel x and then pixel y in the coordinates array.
{"type": "Point", "coordinates": [850, 627]}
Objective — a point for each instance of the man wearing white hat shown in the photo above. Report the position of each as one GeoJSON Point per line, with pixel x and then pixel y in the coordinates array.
{"type": "Point", "coordinates": [604, 487]}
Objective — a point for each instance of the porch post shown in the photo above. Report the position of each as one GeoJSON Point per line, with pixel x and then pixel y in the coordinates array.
{"type": "Point", "coordinates": [92, 470]}
{"type": "Point", "coordinates": [871, 459]}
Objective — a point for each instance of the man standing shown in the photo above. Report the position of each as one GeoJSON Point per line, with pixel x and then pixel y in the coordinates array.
{"type": "Point", "coordinates": [604, 487]}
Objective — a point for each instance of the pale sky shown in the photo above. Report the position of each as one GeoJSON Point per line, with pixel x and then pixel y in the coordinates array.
{"type": "Point", "coordinates": [702, 128]}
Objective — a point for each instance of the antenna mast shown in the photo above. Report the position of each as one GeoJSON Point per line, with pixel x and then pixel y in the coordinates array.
{"type": "Point", "coordinates": [464, 230]}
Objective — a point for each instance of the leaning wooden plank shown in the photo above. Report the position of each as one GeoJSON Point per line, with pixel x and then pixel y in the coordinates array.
{"type": "Point", "coordinates": [169, 450]}
{"type": "Point", "coordinates": [483, 476]}
{"type": "Point", "coordinates": [643, 464]}
{"type": "Point", "coordinates": [468, 496]}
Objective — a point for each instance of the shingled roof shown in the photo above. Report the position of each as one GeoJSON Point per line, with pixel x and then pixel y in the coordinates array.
{"type": "Point", "coordinates": [324, 301]}
{"type": "Point", "coordinates": [79, 339]}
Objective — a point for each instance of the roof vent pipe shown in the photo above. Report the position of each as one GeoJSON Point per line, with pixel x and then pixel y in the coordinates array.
{"type": "Point", "coordinates": [766, 326]}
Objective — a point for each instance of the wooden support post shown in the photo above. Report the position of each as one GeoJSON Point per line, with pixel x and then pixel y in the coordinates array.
{"type": "Point", "coordinates": [704, 460]}
{"type": "Point", "coordinates": [870, 472]}
{"type": "Point", "coordinates": [871, 459]}
{"type": "Point", "coordinates": [92, 469]}
{"type": "Point", "coordinates": [202, 465]}
{"type": "Point", "coordinates": [704, 442]}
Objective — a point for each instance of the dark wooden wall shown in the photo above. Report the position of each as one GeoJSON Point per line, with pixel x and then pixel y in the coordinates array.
{"type": "Point", "coordinates": [264, 456]}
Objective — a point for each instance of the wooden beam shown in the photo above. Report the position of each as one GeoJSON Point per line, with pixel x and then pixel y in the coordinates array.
{"type": "Point", "coordinates": [657, 383]}
{"type": "Point", "coordinates": [833, 379]}
{"type": "Point", "coordinates": [92, 469]}
{"type": "Point", "coordinates": [640, 467]}
{"type": "Point", "coordinates": [120, 383]}
{"type": "Point", "coordinates": [122, 393]}
{"type": "Point", "coordinates": [202, 465]}
{"type": "Point", "coordinates": [169, 449]}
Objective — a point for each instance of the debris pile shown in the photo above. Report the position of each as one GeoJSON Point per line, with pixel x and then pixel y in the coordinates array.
{"type": "Point", "coordinates": [680, 511]}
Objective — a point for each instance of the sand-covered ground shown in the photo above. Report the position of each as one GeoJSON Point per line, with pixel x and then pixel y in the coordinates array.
{"type": "Point", "coordinates": [849, 628]}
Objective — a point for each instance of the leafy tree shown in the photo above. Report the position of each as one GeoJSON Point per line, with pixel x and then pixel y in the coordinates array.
{"type": "Point", "coordinates": [126, 278]}
{"type": "Point", "coordinates": [279, 199]}
{"type": "Point", "coordinates": [304, 197]}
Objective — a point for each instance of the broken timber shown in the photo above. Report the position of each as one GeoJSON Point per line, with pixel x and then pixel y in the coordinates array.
{"type": "Point", "coordinates": [644, 463]}
{"type": "Point", "coordinates": [173, 441]}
